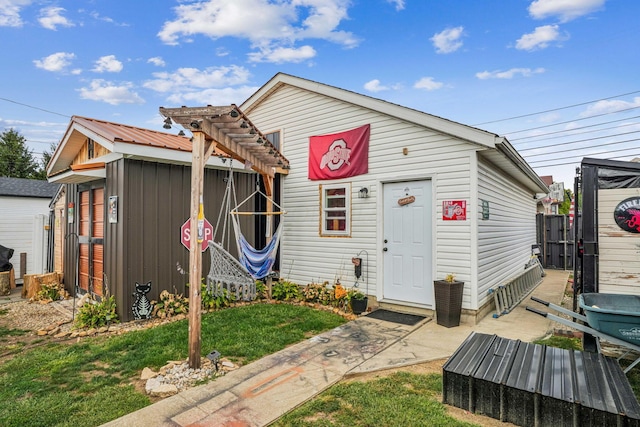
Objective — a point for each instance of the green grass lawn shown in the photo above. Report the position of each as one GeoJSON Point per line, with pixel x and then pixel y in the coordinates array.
{"type": "Point", "coordinates": [89, 382]}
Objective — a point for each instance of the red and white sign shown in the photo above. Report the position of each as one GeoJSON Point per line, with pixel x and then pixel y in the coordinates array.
{"type": "Point", "coordinates": [454, 210]}
{"type": "Point", "coordinates": [185, 234]}
{"type": "Point", "coordinates": [339, 155]}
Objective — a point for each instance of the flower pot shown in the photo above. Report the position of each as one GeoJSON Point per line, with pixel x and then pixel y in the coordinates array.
{"type": "Point", "coordinates": [448, 302]}
{"type": "Point", "coordinates": [359, 306]}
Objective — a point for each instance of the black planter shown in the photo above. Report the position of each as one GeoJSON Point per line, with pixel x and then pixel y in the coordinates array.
{"type": "Point", "coordinates": [448, 302]}
{"type": "Point", "coordinates": [359, 306]}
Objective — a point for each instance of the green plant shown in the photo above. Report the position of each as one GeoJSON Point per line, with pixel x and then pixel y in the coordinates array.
{"type": "Point", "coordinates": [94, 314]}
{"type": "Point", "coordinates": [170, 305]}
{"type": "Point", "coordinates": [319, 293]}
{"type": "Point", "coordinates": [261, 290]}
{"type": "Point", "coordinates": [51, 292]}
{"type": "Point", "coordinates": [284, 290]}
{"type": "Point", "coordinates": [356, 294]}
{"type": "Point", "coordinates": [211, 302]}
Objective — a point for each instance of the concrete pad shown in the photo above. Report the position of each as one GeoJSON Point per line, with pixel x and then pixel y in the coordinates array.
{"type": "Point", "coordinates": [259, 393]}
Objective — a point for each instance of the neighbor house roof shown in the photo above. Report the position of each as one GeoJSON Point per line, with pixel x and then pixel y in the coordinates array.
{"type": "Point", "coordinates": [21, 187]}
{"type": "Point", "coordinates": [120, 141]}
{"type": "Point", "coordinates": [494, 147]}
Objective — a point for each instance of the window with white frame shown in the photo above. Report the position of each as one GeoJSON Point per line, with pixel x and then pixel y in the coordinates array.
{"type": "Point", "coordinates": [335, 210]}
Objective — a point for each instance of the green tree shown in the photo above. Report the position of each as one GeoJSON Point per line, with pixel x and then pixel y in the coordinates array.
{"type": "Point", "coordinates": [46, 158]}
{"type": "Point", "coordinates": [563, 208]}
{"type": "Point", "coordinates": [16, 160]}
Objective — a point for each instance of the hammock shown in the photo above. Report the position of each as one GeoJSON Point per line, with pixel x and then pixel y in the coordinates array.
{"type": "Point", "coordinates": [257, 262]}
{"type": "Point", "coordinates": [226, 275]}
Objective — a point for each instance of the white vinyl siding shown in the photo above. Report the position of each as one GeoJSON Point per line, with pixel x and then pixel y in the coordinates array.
{"type": "Point", "coordinates": [22, 228]}
{"type": "Point", "coordinates": [305, 256]}
{"type": "Point", "coordinates": [618, 266]}
{"type": "Point", "coordinates": [505, 239]}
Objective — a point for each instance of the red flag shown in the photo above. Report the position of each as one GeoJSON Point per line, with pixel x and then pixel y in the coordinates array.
{"type": "Point", "coordinates": [339, 155]}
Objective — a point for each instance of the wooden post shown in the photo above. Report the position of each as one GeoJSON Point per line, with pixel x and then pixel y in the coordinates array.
{"type": "Point", "coordinates": [195, 252]}
{"type": "Point", "coordinates": [268, 186]}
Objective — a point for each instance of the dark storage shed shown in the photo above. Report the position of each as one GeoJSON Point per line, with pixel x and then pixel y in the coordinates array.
{"type": "Point", "coordinates": [127, 197]}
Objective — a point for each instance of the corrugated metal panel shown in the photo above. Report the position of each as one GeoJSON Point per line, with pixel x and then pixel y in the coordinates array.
{"type": "Point", "coordinates": [529, 384]}
{"type": "Point", "coordinates": [144, 245]}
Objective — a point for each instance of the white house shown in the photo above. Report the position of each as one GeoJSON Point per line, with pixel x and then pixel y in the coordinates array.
{"type": "Point", "coordinates": [436, 197]}
{"type": "Point", "coordinates": [24, 220]}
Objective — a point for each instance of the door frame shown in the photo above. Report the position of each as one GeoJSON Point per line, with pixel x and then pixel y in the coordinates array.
{"type": "Point", "coordinates": [90, 240]}
{"type": "Point", "coordinates": [380, 236]}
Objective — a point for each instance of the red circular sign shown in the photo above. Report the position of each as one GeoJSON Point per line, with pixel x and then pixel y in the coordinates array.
{"type": "Point", "coordinates": [627, 214]}
{"type": "Point", "coordinates": [185, 234]}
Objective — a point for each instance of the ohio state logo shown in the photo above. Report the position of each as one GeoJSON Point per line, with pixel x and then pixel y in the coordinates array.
{"type": "Point", "coordinates": [627, 214]}
{"type": "Point", "coordinates": [337, 155]}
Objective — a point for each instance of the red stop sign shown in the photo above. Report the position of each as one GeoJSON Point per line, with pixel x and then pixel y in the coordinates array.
{"type": "Point", "coordinates": [185, 234]}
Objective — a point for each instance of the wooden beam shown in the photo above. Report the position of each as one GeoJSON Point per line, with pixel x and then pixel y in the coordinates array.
{"type": "Point", "coordinates": [198, 161]}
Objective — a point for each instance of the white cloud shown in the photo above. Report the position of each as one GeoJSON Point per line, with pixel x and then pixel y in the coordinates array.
{"type": "Point", "coordinates": [10, 12]}
{"type": "Point", "coordinates": [448, 41]}
{"type": "Point", "coordinates": [215, 96]}
{"type": "Point", "coordinates": [55, 62]}
{"type": "Point", "coordinates": [270, 26]}
{"type": "Point", "coordinates": [509, 74]}
{"type": "Point", "coordinates": [375, 86]}
{"type": "Point", "coordinates": [51, 18]}
{"type": "Point", "coordinates": [399, 4]}
{"type": "Point", "coordinates": [157, 61]}
{"type": "Point", "coordinates": [539, 39]}
{"type": "Point", "coordinates": [565, 10]}
{"type": "Point", "coordinates": [428, 83]}
{"type": "Point", "coordinates": [104, 91]}
{"type": "Point", "coordinates": [107, 64]}
{"type": "Point", "coordinates": [283, 54]}
{"type": "Point", "coordinates": [609, 106]}
{"type": "Point", "coordinates": [193, 79]}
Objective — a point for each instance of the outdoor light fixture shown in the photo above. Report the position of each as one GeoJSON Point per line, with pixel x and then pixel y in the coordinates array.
{"type": "Point", "coordinates": [195, 124]}
{"type": "Point", "coordinates": [271, 151]}
{"type": "Point", "coordinates": [363, 193]}
{"type": "Point", "coordinates": [244, 125]}
{"type": "Point", "coordinates": [181, 133]}
{"type": "Point", "coordinates": [233, 113]}
{"type": "Point", "coordinates": [252, 131]}
{"type": "Point", "coordinates": [167, 123]}
{"type": "Point", "coordinates": [260, 141]}
{"type": "Point", "coordinates": [214, 356]}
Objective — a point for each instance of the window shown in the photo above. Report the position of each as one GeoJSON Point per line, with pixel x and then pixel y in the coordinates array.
{"type": "Point", "coordinates": [335, 210]}
{"type": "Point", "coordinates": [90, 148]}
{"type": "Point", "coordinates": [274, 138]}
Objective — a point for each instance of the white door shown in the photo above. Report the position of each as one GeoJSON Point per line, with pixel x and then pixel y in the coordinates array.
{"type": "Point", "coordinates": [407, 242]}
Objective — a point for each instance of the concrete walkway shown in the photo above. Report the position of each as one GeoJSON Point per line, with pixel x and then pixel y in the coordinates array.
{"type": "Point", "coordinates": [259, 393]}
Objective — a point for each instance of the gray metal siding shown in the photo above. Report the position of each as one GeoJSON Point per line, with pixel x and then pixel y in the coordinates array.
{"type": "Point", "coordinates": [144, 245]}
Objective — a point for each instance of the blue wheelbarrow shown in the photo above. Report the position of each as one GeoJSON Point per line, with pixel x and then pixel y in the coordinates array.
{"type": "Point", "coordinates": [614, 318]}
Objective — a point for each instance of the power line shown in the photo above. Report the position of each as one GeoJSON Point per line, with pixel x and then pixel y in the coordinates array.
{"type": "Point", "coordinates": [582, 140]}
{"type": "Point", "coordinates": [35, 108]}
{"type": "Point", "coordinates": [556, 109]}
{"type": "Point", "coordinates": [574, 129]}
{"type": "Point", "coordinates": [589, 154]}
{"type": "Point", "coordinates": [574, 120]}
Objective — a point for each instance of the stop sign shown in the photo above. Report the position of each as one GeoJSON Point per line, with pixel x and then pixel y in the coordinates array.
{"type": "Point", "coordinates": [185, 234]}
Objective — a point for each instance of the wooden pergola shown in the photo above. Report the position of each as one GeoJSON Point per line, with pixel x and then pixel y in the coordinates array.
{"type": "Point", "coordinates": [229, 130]}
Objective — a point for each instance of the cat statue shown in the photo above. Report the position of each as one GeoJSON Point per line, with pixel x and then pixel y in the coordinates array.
{"type": "Point", "coordinates": [142, 307]}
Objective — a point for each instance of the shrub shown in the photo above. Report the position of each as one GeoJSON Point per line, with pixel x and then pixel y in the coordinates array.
{"type": "Point", "coordinates": [94, 314]}
{"type": "Point", "coordinates": [285, 291]}
{"type": "Point", "coordinates": [261, 290]}
{"type": "Point", "coordinates": [50, 292]}
{"type": "Point", "coordinates": [211, 302]}
{"type": "Point", "coordinates": [170, 305]}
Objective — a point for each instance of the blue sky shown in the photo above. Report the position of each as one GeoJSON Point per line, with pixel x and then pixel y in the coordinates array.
{"type": "Point", "coordinates": [559, 78]}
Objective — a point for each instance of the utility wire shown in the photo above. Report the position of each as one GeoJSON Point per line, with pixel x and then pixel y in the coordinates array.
{"type": "Point", "coordinates": [556, 109]}
{"type": "Point", "coordinates": [35, 108]}
{"type": "Point", "coordinates": [574, 129]}
{"type": "Point", "coordinates": [580, 158]}
{"type": "Point", "coordinates": [582, 140]}
{"type": "Point", "coordinates": [582, 148]}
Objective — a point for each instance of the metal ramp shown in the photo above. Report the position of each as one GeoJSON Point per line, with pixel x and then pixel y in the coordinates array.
{"type": "Point", "coordinates": [510, 294]}
{"type": "Point", "coordinates": [531, 384]}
